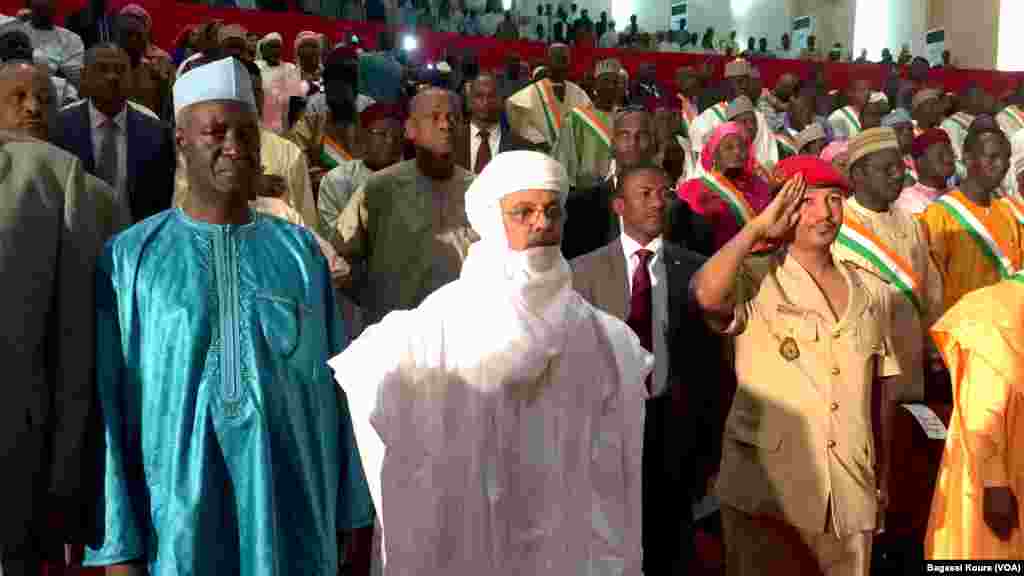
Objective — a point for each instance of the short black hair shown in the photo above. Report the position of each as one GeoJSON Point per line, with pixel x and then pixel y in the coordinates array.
{"type": "Point", "coordinates": [15, 45]}
{"type": "Point", "coordinates": [626, 174]}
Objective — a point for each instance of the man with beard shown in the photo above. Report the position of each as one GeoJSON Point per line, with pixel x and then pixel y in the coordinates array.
{"type": "Point", "coordinates": [644, 280]}
{"type": "Point", "coordinates": [328, 133]}
{"type": "Point", "coordinates": [585, 145]}
{"type": "Point", "coordinates": [538, 111]}
{"type": "Point", "coordinates": [407, 224]}
{"type": "Point", "coordinates": [61, 49]}
{"type": "Point", "coordinates": [224, 432]}
{"type": "Point", "coordinates": [812, 341]}
{"type": "Point", "coordinates": [500, 421]}
{"type": "Point", "coordinates": [976, 237]}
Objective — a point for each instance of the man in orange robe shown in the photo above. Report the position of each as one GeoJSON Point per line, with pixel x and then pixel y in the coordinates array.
{"type": "Point", "coordinates": [975, 514]}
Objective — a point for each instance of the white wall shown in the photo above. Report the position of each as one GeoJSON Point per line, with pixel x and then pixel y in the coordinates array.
{"type": "Point", "coordinates": [769, 18]}
{"type": "Point", "coordinates": [883, 24]}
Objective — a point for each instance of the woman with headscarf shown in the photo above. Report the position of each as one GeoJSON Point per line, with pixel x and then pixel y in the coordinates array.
{"type": "Point", "coordinates": [308, 54]}
{"type": "Point", "coordinates": [727, 192]}
{"type": "Point", "coordinates": [281, 81]}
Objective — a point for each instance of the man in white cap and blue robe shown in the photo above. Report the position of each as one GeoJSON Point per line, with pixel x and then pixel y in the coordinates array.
{"type": "Point", "coordinates": [229, 449]}
{"type": "Point", "coordinates": [501, 421]}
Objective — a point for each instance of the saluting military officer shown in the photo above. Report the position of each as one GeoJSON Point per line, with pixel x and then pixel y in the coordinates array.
{"type": "Point", "coordinates": [812, 342]}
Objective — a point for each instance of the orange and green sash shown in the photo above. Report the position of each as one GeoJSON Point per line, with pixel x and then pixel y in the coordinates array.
{"type": "Point", "coordinates": [961, 120]}
{"type": "Point", "coordinates": [687, 113]}
{"type": "Point", "coordinates": [911, 169]}
{"type": "Point", "coordinates": [552, 110]}
{"type": "Point", "coordinates": [719, 110]}
{"type": "Point", "coordinates": [1014, 114]}
{"type": "Point", "coordinates": [994, 248]}
{"type": "Point", "coordinates": [332, 153]}
{"type": "Point", "coordinates": [852, 118]}
{"type": "Point", "coordinates": [734, 199]}
{"type": "Point", "coordinates": [887, 262]}
{"type": "Point", "coordinates": [597, 121]}
{"type": "Point", "coordinates": [787, 143]}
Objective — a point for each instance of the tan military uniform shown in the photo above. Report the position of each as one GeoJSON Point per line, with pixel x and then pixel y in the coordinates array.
{"type": "Point", "coordinates": [798, 443]}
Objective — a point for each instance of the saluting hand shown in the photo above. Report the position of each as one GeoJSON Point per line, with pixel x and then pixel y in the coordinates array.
{"type": "Point", "coordinates": [779, 217]}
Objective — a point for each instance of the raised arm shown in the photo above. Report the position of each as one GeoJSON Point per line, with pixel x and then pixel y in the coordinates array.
{"type": "Point", "coordinates": [714, 284]}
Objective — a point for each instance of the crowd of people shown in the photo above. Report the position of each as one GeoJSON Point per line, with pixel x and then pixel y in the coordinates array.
{"type": "Point", "coordinates": [272, 317]}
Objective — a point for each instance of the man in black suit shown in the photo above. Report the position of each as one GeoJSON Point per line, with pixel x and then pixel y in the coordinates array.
{"type": "Point", "coordinates": [642, 279]}
{"type": "Point", "coordinates": [590, 221]}
{"type": "Point", "coordinates": [119, 142]}
{"type": "Point", "coordinates": [92, 23]}
{"type": "Point", "coordinates": [478, 140]}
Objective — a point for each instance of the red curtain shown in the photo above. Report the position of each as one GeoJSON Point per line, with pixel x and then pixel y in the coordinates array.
{"type": "Point", "coordinates": [170, 18]}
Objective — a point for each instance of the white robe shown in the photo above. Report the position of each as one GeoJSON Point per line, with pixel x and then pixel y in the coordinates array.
{"type": "Point", "coordinates": [499, 442]}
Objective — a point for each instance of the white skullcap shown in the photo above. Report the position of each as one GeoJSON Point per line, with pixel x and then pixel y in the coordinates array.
{"type": "Point", "coordinates": [272, 36]}
{"type": "Point", "coordinates": [878, 97]}
{"type": "Point", "coordinates": [443, 67]}
{"type": "Point", "coordinates": [224, 79]}
{"type": "Point", "coordinates": [506, 173]}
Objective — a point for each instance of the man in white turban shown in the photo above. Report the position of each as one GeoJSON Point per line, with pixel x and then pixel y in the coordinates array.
{"type": "Point", "coordinates": [500, 422]}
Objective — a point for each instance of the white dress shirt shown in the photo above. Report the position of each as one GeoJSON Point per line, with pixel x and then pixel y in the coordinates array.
{"type": "Point", "coordinates": [659, 303]}
{"type": "Point", "coordinates": [96, 121]}
{"type": "Point", "coordinates": [474, 142]}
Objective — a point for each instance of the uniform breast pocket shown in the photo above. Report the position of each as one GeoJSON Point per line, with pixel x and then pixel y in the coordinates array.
{"type": "Point", "coordinates": [281, 321]}
{"type": "Point", "coordinates": [869, 338]}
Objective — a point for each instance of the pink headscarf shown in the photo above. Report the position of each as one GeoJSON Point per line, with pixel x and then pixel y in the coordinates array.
{"type": "Point", "coordinates": [834, 148]}
{"type": "Point", "coordinates": [138, 12]}
{"type": "Point", "coordinates": [707, 154]}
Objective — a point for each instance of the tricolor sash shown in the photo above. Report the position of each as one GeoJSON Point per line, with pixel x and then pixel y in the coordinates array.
{"type": "Point", "coordinates": [888, 263]}
{"type": "Point", "coordinates": [597, 122]}
{"type": "Point", "coordinates": [687, 113]}
{"type": "Point", "coordinates": [787, 143]}
{"type": "Point", "coordinates": [331, 153]}
{"type": "Point", "coordinates": [961, 120]}
{"type": "Point", "coordinates": [719, 110]}
{"type": "Point", "coordinates": [1017, 207]}
{"type": "Point", "coordinates": [734, 199]}
{"type": "Point", "coordinates": [549, 104]}
{"type": "Point", "coordinates": [993, 247]}
{"type": "Point", "coordinates": [1014, 114]}
{"type": "Point", "coordinates": [911, 169]}
{"type": "Point", "coordinates": [851, 117]}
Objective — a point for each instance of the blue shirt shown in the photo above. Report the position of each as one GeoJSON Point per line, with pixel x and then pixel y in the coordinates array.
{"type": "Point", "coordinates": [229, 448]}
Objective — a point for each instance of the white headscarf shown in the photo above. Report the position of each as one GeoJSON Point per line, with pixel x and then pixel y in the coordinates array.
{"type": "Point", "coordinates": [532, 277]}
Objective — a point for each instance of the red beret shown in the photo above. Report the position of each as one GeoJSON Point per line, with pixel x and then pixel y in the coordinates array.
{"type": "Point", "coordinates": [817, 172]}
{"type": "Point", "coordinates": [378, 111]}
{"type": "Point", "coordinates": [926, 139]}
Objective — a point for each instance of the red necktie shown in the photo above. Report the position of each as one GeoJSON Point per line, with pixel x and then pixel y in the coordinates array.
{"type": "Point", "coordinates": [641, 313]}
{"type": "Point", "coordinates": [483, 153]}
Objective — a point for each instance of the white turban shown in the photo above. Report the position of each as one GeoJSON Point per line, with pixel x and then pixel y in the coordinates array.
{"type": "Point", "coordinates": [878, 97]}
{"type": "Point", "coordinates": [506, 173]}
{"type": "Point", "coordinates": [534, 277]}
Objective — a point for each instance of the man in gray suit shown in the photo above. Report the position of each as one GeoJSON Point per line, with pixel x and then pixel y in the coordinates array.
{"type": "Point", "coordinates": [642, 279]}
{"type": "Point", "coordinates": [49, 434]}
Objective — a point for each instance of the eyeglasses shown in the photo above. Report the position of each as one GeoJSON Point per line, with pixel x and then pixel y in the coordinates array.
{"type": "Point", "coordinates": [528, 215]}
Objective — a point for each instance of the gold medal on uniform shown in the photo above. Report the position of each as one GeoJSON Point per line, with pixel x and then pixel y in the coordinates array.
{"type": "Point", "coordinates": [789, 350]}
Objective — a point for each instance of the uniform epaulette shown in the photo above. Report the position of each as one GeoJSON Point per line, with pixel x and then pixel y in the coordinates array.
{"type": "Point", "coordinates": [855, 266]}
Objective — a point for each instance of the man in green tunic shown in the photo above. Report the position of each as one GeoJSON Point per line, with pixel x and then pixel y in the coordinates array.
{"type": "Point", "coordinates": [585, 145]}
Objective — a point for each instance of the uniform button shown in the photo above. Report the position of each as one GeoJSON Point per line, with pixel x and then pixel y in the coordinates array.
{"type": "Point", "coordinates": [831, 443]}
{"type": "Point", "coordinates": [835, 406]}
{"type": "Point", "coordinates": [835, 370]}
